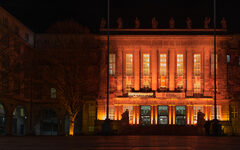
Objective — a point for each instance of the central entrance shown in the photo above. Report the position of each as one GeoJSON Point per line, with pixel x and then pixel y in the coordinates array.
{"type": "Point", "coordinates": [145, 115]}
{"type": "Point", "coordinates": [162, 114]}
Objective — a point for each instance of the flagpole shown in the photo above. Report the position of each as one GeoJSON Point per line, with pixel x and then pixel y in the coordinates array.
{"type": "Point", "coordinates": [215, 82]}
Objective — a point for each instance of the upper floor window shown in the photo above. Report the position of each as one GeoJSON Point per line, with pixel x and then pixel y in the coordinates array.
{"type": "Point", "coordinates": [163, 64]}
{"type": "Point", "coordinates": [53, 93]}
{"type": "Point", "coordinates": [112, 60]}
{"type": "Point", "coordinates": [197, 64]}
{"type": "Point", "coordinates": [179, 64]}
{"type": "Point", "coordinates": [146, 64]}
{"type": "Point", "coordinates": [228, 58]}
{"type": "Point", "coordinates": [212, 64]}
{"type": "Point", "coordinates": [129, 64]}
{"type": "Point", "coordinates": [5, 21]}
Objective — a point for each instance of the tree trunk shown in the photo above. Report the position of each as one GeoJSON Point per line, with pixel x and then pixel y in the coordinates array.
{"type": "Point", "coordinates": [71, 125]}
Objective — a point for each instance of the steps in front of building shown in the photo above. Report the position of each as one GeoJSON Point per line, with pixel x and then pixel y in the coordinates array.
{"type": "Point", "coordinates": [164, 130]}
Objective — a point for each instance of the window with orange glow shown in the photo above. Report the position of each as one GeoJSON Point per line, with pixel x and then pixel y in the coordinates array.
{"type": "Point", "coordinates": [146, 64]}
{"type": "Point", "coordinates": [111, 112]}
{"type": "Point", "coordinates": [112, 61]}
{"type": "Point", "coordinates": [197, 64]}
{"type": "Point", "coordinates": [218, 112]}
{"type": "Point", "coordinates": [197, 73]}
{"type": "Point", "coordinates": [212, 64]}
{"type": "Point", "coordinates": [130, 111]}
{"type": "Point", "coordinates": [180, 71]}
{"type": "Point", "coordinates": [129, 64]}
{"type": "Point", "coordinates": [163, 69]}
{"type": "Point", "coordinates": [196, 109]}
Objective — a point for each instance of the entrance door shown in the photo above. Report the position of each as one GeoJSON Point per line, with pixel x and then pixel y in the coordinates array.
{"type": "Point", "coordinates": [162, 114]}
{"type": "Point", "coordinates": [180, 115]}
{"type": "Point", "coordinates": [145, 115]}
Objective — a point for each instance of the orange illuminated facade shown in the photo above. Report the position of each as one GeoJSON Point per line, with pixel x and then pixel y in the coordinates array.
{"type": "Point", "coordinates": [163, 78]}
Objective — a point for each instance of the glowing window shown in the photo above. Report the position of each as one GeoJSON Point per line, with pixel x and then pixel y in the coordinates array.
{"type": "Point", "coordinates": [179, 64]}
{"type": "Point", "coordinates": [212, 64]}
{"type": "Point", "coordinates": [196, 109]}
{"type": "Point", "coordinates": [111, 112]}
{"type": "Point", "coordinates": [218, 112]}
{"type": "Point", "coordinates": [197, 73]}
{"type": "Point", "coordinates": [112, 60]}
{"type": "Point", "coordinates": [53, 93]}
{"type": "Point", "coordinates": [197, 64]}
{"type": "Point", "coordinates": [163, 69]}
{"type": "Point", "coordinates": [163, 65]}
{"type": "Point", "coordinates": [146, 64]}
{"type": "Point", "coordinates": [129, 64]}
{"type": "Point", "coordinates": [180, 71]}
{"type": "Point", "coordinates": [130, 110]}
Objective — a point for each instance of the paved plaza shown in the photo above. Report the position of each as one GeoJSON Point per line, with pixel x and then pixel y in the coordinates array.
{"type": "Point", "coordinates": [120, 143]}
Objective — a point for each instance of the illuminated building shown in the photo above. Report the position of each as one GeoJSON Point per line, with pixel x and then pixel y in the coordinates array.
{"type": "Point", "coordinates": [165, 76]}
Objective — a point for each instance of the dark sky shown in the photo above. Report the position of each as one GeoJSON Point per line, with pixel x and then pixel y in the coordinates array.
{"type": "Point", "coordinates": [39, 14]}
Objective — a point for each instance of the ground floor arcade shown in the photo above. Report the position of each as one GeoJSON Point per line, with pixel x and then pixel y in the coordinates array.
{"type": "Point", "coordinates": [153, 111]}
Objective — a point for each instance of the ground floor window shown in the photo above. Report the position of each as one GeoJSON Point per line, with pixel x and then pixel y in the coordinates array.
{"type": "Point", "coordinates": [196, 109]}
{"type": "Point", "coordinates": [180, 115]}
{"type": "Point", "coordinates": [218, 112]}
{"type": "Point", "coordinates": [2, 120]}
{"type": "Point", "coordinates": [130, 110]}
{"type": "Point", "coordinates": [145, 115]}
{"type": "Point", "coordinates": [162, 114]}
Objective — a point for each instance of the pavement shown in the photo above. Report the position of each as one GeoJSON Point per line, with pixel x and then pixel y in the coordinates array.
{"type": "Point", "coordinates": [119, 143]}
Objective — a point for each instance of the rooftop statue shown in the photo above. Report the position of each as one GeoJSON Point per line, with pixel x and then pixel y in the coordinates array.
{"type": "Point", "coordinates": [189, 23]}
{"type": "Point", "coordinates": [206, 22]}
{"type": "Point", "coordinates": [224, 23]}
{"type": "Point", "coordinates": [171, 23]}
{"type": "Point", "coordinates": [137, 23]}
{"type": "Point", "coordinates": [154, 23]}
{"type": "Point", "coordinates": [103, 23]}
{"type": "Point", "coordinates": [119, 22]}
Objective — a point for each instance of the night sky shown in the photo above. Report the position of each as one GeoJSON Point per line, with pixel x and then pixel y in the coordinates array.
{"type": "Point", "coordinates": [38, 15]}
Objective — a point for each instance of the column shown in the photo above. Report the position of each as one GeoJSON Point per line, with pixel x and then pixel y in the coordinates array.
{"type": "Point", "coordinates": [152, 114]}
{"type": "Point", "coordinates": [9, 118]}
{"type": "Point", "coordinates": [156, 114]}
{"type": "Point", "coordinates": [189, 72]}
{"type": "Point", "coordinates": [119, 70]}
{"type": "Point", "coordinates": [154, 68]}
{"type": "Point", "coordinates": [172, 70]}
{"type": "Point", "coordinates": [169, 114]}
{"type": "Point", "coordinates": [173, 114]}
{"type": "Point", "coordinates": [136, 69]}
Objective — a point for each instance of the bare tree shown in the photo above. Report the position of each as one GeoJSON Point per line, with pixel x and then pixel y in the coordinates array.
{"type": "Point", "coordinates": [72, 66]}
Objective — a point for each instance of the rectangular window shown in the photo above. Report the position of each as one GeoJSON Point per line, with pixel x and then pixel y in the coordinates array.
{"type": "Point", "coordinates": [197, 64]}
{"type": "Point", "coordinates": [112, 61]}
{"type": "Point", "coordinates": [228, 59]}
{"type": "Point", "coordinates": [218, 112]}
{"type": "Point", "coordinates": [111, 112]}
{"type": "Point", "coordinates": [197, 73]}
{"type": "Point", "coordinates": [179, 71]}
{"type": "Point", "coordinates": [146, 64]}
{"type": "Point", "coordinates": [212, 64]}
{"type": "Point", "coordinates": [129, 64]}
{"type": "Point", "coordinates": [196, 109]}
{"type": "Point", "coordinates": [130, 111]}
{"type": "Point", "coordinates": [163, 70]}
{"type": "Point", "coordinates": [53, 93]}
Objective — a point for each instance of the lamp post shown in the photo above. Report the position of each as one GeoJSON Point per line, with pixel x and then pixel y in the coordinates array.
{"type": "Point", "coordinates": [108, 27]}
